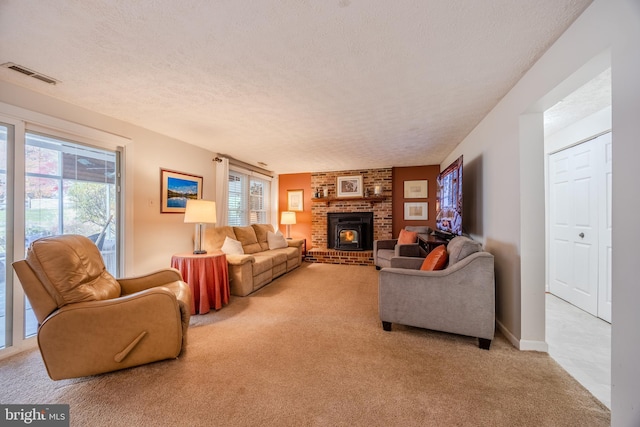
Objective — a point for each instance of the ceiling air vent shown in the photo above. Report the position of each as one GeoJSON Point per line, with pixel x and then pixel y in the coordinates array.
{"type": "Point", "coordinates": [30, 73]}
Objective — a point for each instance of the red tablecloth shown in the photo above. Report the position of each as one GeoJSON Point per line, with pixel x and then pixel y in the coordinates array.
{"type": "Point", "coordinates": [208, 278]}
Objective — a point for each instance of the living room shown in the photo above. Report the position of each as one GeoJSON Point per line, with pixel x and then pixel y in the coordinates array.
{"type": "Point", "coordinates": [507, 189]}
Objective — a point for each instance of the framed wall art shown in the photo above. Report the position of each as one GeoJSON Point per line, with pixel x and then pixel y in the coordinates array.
{"type": "Point", "coordinates": [416, 211]}
{"type": "Point", "coordinates": [349, 186]}
{"type": "Point", "coordinates": [295, 200]}
{"type": "Point", "coordinates": [176, 188]}
{"type": "Point", "coordinates": [416, 189]}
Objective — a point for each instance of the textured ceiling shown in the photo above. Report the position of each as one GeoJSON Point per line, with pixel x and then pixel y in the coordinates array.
{"type": "Point", "coordinates": [584, 101]}
{"type": "Point", "coordinates": [299, 85]}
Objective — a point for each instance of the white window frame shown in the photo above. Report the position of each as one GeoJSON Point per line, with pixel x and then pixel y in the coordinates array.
{"type": "Point", "coordinates": [245, 212]}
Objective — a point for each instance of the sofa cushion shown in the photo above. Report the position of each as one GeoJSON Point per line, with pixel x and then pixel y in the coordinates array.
{"type": "Point", "coordinates": [461, 247]}
{"type": "Point", "coordinates": [276, 240]}
{"type": "Point", "coordinates": [406, 237]}
{"type": "Point", "coordinates": [278, 257]}
{"type": "Point", "coordinates": [386, 254]}
{"type": "Point", "coordinates": [436, 259]}
{"type": "Point", "coordinates": [247, 236]}
{"type": "Point", "coordinates": [214, 237]}
{"type": "Point", "coordinates": [261, 234]}
{"type": "Point", "coordinates": [263, 263]}
{"type": "Point", "coordinates": [231, 247]}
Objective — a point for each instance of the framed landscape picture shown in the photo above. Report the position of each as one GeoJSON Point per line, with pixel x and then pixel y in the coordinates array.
{"type": "Point", "coordinates": [349, 186]}
{"type": "Point", "coordinates": [416, 211]}
{"type": "Point", "coordinates": [176, 188]}
{"type": "Point", "coordinates": [416, 189]}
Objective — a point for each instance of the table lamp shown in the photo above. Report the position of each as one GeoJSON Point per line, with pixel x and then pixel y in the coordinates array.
{"type": "Point", "coordinates": [200, 212]}
{"type": "Point", "coordinates": [288, 218]}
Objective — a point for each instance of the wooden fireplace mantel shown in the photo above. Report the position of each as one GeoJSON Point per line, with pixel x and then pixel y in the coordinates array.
{"type": "Point", "coordinates": [328, 200]}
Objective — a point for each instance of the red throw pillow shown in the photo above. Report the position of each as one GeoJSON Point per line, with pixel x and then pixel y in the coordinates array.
{"type": "Point", "coordinates": [407, 237]}
{"type": "Point", "coordinates": [436, 260]}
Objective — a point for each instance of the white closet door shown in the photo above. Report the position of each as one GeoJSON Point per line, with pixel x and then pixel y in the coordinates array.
{"type": "Point", "coordinates": [574, 226]}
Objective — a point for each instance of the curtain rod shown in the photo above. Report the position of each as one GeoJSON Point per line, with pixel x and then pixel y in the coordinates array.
{"type": "Point", "coordinates": [245, 165]}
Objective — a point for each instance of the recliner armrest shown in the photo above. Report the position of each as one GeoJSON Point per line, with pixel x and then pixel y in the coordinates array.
{"type": "Point", "coordinates": [408, 249]}
{"type": "Point", "coordinates": [384, 244]}
{"type": "Point", "coordinates": [296, 243]}
{"type": "Point", "coordinates": [132, 285]}
{"type": "Point", "coordinates": [407, 262]}
{"type": "Point", "coordinates": [240, 259]}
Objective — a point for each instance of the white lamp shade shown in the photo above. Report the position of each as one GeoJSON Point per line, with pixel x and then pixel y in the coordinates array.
{"type": "Point", "coordinates": [288, 218]}
{"type": "Point", "coordinates": [200, 211]}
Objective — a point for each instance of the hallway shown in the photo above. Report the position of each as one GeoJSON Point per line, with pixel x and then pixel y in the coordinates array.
{"type": "Point", "coordinates": [581, 344]}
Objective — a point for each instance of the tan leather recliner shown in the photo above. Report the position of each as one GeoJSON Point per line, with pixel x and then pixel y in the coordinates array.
{"type": "Point", "coordinates": [90, 322]}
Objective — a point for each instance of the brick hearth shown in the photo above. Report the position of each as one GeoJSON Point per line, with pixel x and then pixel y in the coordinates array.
{"type": "Point", "coordinates": [332, 256]}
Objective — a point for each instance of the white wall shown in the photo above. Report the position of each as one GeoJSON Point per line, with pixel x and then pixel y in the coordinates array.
{"type": "Point", "coordinates": [150, 237]}
{"type": "Point", "coordinates": [510, 174]}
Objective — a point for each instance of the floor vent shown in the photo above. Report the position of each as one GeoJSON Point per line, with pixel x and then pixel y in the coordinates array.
{"type": "Point", "coordinates": [30, 73]}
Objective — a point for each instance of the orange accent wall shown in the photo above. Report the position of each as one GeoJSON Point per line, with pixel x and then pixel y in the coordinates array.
{"type": "Point", "coordinates": [302, 181]}
{"type": "Point", "coordinates": [413, 173]}
{"type": "Point", "coordinates": [296, 181]}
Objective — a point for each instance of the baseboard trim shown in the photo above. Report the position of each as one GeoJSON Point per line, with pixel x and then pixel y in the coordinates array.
{"type": "Point", "coordinates": [523, 345]}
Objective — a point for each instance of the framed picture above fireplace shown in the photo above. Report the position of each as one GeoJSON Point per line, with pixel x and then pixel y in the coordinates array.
{"type": "Point", "coordinates": [349, 186]}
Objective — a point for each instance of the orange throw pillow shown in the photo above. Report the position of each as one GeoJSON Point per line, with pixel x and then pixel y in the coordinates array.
{"type": "Point", "coordinates": [436, 259]}
{"type": "Point", "coordinates": [406, 237]}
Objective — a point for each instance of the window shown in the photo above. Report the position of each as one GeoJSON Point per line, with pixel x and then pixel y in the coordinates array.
{"type": "Point", "coordinates": [249, 196]}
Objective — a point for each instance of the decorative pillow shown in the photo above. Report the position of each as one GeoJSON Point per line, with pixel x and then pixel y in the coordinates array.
{"type": "Point", "coordinates": [231, 247]}
{"type": "Point", "coordinates": [436, 259]}
{"type": "Point", "coordinates": [406, 237]}
{"type": "Point", "coordinates": [276, 240]}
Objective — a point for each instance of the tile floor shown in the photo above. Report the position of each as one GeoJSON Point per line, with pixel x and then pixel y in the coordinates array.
{"type": "Point", "coordinates": [581, 344]}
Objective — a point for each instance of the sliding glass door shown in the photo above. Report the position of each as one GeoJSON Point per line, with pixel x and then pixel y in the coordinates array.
{"type": "Point", "coordinates": [48, 186]}
{"type": "Point", "coordinates": [70, 189]}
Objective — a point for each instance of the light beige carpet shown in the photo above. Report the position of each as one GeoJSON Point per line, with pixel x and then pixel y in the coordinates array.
{"type": "Point", "coordinates": [309, 350]}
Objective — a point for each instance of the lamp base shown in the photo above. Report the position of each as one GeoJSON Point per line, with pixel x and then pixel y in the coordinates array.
{"type": "Point", "coordinates": [199, 252]}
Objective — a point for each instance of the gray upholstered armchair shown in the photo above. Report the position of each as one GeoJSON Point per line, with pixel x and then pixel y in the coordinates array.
{"type": "Point", "coordinates": [459, 299]}
{"type": "Point", "coordinates": [384, 250]}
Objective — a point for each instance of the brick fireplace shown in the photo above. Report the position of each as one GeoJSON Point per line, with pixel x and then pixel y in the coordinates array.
{"type": "Point", "coordinates": [350, 231]}
{"type": "Point", "coordinates": [380, 210]}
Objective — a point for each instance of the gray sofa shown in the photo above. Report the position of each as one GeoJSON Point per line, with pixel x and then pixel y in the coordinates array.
{"type": "Point", "coordinates": [459, 299]}
{"type": "Point", "coordinates": [258, 265]}
{"type": "Point", "coordinates": [384, 250]}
